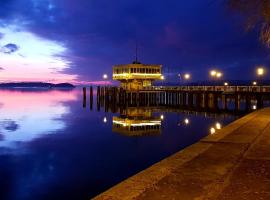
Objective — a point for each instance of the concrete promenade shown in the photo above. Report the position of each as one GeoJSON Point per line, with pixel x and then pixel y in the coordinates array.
{"type": "Point", "coordinates": [234, 163]}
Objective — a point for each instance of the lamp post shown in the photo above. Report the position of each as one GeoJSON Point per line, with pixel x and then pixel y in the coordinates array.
{"type": "Point", "coordinates": [260, 73]}
{"type": "Point", "coordinates": [187, 76]}
{"type": "Point", "coordinates": [215, 75]}
{"type": "Point", "coordinates": [162, 78]}
{"type": "Point", "coordinates": [105, 77]}
{"type": "Point", "coordinates": [226, 84]}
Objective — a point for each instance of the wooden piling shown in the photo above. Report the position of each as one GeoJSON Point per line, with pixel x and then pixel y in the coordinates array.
{"type": "Point", "coordinates": [84, 97]}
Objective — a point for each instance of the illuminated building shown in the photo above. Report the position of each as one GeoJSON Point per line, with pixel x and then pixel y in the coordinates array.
{"type": "Point", "coordinates": [136, 76]}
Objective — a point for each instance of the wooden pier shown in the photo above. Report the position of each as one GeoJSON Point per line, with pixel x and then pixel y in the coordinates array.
{"type": "Point", "coordinates": [205, 98]}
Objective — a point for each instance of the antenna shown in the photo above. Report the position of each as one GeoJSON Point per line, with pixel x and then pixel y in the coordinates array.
{"type": "Point", "coordinates": [136, 54]}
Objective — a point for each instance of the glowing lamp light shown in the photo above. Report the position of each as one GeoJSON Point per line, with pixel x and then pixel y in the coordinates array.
{"type": "Point", "coordinates": [187, 76]}
{"type": "Point", "coordinates": [226, 83]}
{"type": "Point", "coordinates": [105, 76]}
{"type": "Point", "coordinates": [186, 121]}
{"type": "Point", "coordinates": [219, 74]}
{"type": "Point", "coordinates": [213, 73]}
{"type": "Point", "coordinates": [162, 77]}
{"type": "Point", "coordinates": [216, 74]}
{"type": "Point", "coordinates": [254, 83]}
{"type": "Point", "coordinates": [254, 107]}
{"type": "Point", "coordinates": [162, 117]}
{"type": "Point", "coordinates": [212, 130]}
{"type": "Point", "coordinates": [218, 126]}
{"type": "Point", "coordinates": [105, 120]}
{"type": "Point", "coordinates": [260, 71]}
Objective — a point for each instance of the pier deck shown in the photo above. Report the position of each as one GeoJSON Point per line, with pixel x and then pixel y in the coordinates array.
{"type": "Point", "coordinates": [234, 163]}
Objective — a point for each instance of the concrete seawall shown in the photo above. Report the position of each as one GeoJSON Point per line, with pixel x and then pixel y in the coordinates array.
{"type": "Point", "coordinates": [234, 163]}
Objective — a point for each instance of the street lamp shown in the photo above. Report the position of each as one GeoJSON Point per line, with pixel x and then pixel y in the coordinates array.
{"type": "Point", "coordinates": [260, 71]}
{"type": "Point", "coordinates": [105, 76]}
{"type": "Point", "coordinates": [219, 74]}
{"type": "Point", "coordinates": [226, 83]}
{"type": "Point", "coordinates": [254, 83]}
{"type": "Point", "coordinates": [213, 73]}
{"type": "Point", "coordinates": [162, 77]}
{"type": "Point", "coordinates": [187, 76]}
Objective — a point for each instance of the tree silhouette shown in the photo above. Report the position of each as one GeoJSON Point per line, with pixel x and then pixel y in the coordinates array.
{"type": "Point", "coordinates": [257, 15]}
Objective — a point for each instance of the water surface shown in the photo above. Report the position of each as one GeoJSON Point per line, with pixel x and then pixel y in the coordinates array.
{"type": "Point", "coordinates": [53, 148]}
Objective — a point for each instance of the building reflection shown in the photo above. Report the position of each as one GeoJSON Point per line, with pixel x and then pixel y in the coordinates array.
{"type": "Point", "coordinates": [137, 122]}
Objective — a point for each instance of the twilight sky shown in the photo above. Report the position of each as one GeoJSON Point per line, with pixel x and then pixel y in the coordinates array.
{"type": "Point", "coordinates": [79, 40]}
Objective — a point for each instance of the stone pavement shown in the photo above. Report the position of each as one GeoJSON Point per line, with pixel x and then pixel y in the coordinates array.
{"type": "Point", "coordinates": [234, 163]}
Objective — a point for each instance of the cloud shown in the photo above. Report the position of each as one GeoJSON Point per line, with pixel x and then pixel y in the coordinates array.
{"type": "Point", "coordinates": [1, 68]}
{"type": "Point", "coordinates": [10, 125]}
{"type": "Point", "coordinates": [182, 35]}
{"type": "Point", "coordinates": [9, 48]}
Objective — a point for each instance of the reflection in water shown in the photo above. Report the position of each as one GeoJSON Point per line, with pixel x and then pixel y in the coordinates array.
{"type": "Point", "coordinates": [186, 121]}
{"type": "Point", "coordinates": [69, 152]}
{"type": "Point", "coordinates": [137, 122]}
{"type": "Point", "coordinates": [26, 115]}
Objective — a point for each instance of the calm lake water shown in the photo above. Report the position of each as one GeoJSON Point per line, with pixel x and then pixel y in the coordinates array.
{"type": "Point", "coordinates": [53, 148]}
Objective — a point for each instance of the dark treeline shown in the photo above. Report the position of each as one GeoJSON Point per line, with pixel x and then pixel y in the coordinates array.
{"type": "Point", "coordinates": [36, 84]}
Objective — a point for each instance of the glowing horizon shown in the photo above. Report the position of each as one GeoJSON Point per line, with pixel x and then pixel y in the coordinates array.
{"type": "Point", "coordinates": [33, 60]}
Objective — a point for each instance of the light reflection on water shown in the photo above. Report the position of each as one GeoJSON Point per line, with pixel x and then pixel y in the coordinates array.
{"type": "Point", "coordinates": [53, 148]}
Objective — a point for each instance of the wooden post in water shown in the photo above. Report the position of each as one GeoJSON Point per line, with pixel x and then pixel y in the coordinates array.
{"type": "Point", "coordinates": [215, 96]}
{"type": "Point", "coordinates": [237, 102]}
{"type": "Point", "coordinates": [91, 97]}
{"type": "Point", "coordinates": [224, 102]}
{"type": "Point", "coordinates": [84, 97]}
{"type": "Point", "coordinates": [98, 98]}
{"type": "Point", "coordinates": [190, 99]}
{"type": "Point", "coordinates": [184, 98]}
{"type": "Point", "coordinates": [198, 100]}
{"type": "Point", "coordinates": [210, 101]}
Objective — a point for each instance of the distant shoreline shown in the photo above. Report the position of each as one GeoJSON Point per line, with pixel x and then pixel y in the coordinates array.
{"type": "Point", "coordinates": [38, 85]}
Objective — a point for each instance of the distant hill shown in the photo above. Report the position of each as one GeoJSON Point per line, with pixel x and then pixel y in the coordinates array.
{"type": "Point", "coordinates": [35, 85]}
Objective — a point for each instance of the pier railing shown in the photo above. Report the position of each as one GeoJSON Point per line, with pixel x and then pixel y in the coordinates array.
{"type": "Point", "coordinates": [211, 88]}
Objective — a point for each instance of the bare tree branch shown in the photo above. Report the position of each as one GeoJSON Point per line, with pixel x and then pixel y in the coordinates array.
{"type": "Point", "coordinates": [257, 14]}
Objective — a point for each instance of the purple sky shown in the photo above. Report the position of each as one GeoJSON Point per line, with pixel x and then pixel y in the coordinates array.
{"type": "Point", "coordinates": [68, 40]}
